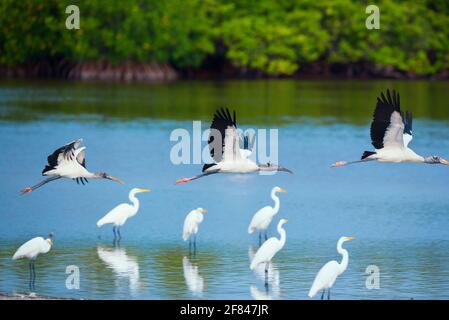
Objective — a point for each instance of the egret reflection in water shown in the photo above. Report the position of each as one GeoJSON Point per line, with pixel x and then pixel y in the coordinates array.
{"type": "Point", "coordinates": [316, 120]}
{"type": "Point", "coordinates": [125, 266]}
{"type": "Point", "coordinates": [194, 281]}
{"type": "Point", "coordinates": [271, 284]}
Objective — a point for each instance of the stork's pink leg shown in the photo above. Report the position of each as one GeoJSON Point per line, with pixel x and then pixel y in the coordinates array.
{"type": "Point", "coordinates": [183, 180]}
{"type": "Point", "coordinates": [339, 164]}
{"type": "Point", "coordinates": [26, 190]}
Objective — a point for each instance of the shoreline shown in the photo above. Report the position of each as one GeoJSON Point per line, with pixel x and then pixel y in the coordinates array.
{"type": "Point", "coordinates": [129, 72]}
{"type": "Point", "coordinates": [32, 296]}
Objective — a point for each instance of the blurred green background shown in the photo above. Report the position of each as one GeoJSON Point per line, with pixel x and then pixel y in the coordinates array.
{"type": "Point", "coordinates": [255, 37]}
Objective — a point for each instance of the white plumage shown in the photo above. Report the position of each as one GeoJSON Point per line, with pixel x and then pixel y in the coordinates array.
{"type": "Point", "coordinates": [225, 149]}
{"type": "Point", "coordinates": [192, 222]}
{"type": "Point", "coordinates": [69, 161]}
{"type": "Point", "coordinates": [262, 218]}
{"type": "Point", "coordinates": [327, 275]}
{"type": "Point", "coordinates": [122, 212]}
{"type": "Point", "coordinates": [391, 133]}
{"type": "Point", "coordinates": [32, 248]}
{"type": "Point", "coordinates": [269, 248]}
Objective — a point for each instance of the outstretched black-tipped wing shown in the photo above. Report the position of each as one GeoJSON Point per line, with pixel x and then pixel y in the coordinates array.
{"type": "Point", "coordinates": [408, 128]}
{"type": "Point", "coordinates": [222, 120]}
{"type": "Point", "coordinates": [408, 122]}
{"type": "Point", "coordinates": [387, 127]}
{"type": "Point", "coordinates": [66, 152]}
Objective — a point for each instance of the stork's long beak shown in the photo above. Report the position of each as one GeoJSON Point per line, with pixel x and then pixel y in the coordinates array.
{"type": "Point", "coordinates": [114, 179]}
{"type": "Point", "coordinates": [144, 190]}
{"type": "Point", "coordinates": [285, 170]}
{"type": "Point", "coordinates": [444, 161]}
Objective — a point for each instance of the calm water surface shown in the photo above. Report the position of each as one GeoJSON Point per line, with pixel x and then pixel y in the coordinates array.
{"type": "Point", "coordinates": [399, 213]}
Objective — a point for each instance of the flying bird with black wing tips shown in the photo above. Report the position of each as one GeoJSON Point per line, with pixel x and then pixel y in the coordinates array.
{"type": "Point", "coordinates": [69, 161]}
{"type": "Point", "coordinates": [391, 133]}
{"type": "Point", "coordinates": [224, 146]}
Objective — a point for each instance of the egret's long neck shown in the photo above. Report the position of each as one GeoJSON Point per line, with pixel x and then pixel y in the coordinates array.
{"type": "Point", "coordinates": [283, 235]}
{"type": "Point", "coordinates": [344, 262]}
{"type": "Point", "coordinates": [276, 201]}
{"type": "Point", "coordinates": [135, 202]}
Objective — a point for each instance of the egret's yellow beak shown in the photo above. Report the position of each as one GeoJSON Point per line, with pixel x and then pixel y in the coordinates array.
{"type": "Point", "coordinates": [286, 220]}
{"type": "Point", "coordinates": [203, 211]}
{"type": "Point", "coordinates": [350, 238]}
{"type": "Point", "coordinates": [282, 190]}
{"type": "Point", "coordinates": [50, 242]}
{"type": "Point", "coordinates": [144, 190]}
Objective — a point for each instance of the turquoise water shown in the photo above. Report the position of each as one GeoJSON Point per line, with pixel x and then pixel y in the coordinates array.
{"type": "Point", "coordinates": [398, 213]}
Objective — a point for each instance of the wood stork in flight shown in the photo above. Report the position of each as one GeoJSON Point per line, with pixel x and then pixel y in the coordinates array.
{"type": "Point", "coordinates": [69, 161]}
{"type": "Point", "coordinates": [224, 146]}
{"type": "Point", "coordinates": [391, 134]}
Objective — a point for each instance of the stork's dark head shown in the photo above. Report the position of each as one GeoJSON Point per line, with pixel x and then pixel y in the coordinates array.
{"type": "Point", "coordinates": [273, 167]}
{"type": "Point", "coordinates": [104, 175]}
{"type": "Point", "coordinates": [436, 160]}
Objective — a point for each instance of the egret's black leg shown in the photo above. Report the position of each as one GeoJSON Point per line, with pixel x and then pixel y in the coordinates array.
{"type": "Point", "coordinates": [329, 294]}
{"type": "Point", "coordinates": [194, 245]}
{"type": "Point", "coordinates": [266, 236]}
{"type": "Point", "coordinates": [34, 276]}
{"type": "Point", "coordinates": [190, 245]}
{"type": "Point", "coordinates": [119, 235]}
{"type": "Point", "coordinates": [266, 274]}
{"type": "Point", "coordinates": [322, 294]}
{"type": "Point", "coordinates": [260, 238]}
{"type": "Point", "coordinates": [31, 277]}
{"type": "Point", "coordinates": [114, 232]}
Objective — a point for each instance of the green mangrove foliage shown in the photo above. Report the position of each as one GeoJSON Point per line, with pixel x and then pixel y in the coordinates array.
{"type": "Point", "coordinates": [265, 36]}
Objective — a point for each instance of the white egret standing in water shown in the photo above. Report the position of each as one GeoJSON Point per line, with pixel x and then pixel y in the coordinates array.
{"type": "Point", "coordinates": [31, 250]}
{"type": "Point", "coordinates": [269, 248]}
{"type": "Point", "coordinates": [122, 212]}
{"type": "Point", "coordinates": [191, 225]}
{"type": "Point", "coordinates": [327, 275]}
{"type": "Point", "coordinates": [262, 218]}
{"type": "Point", "coordinates": [259, 271]}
